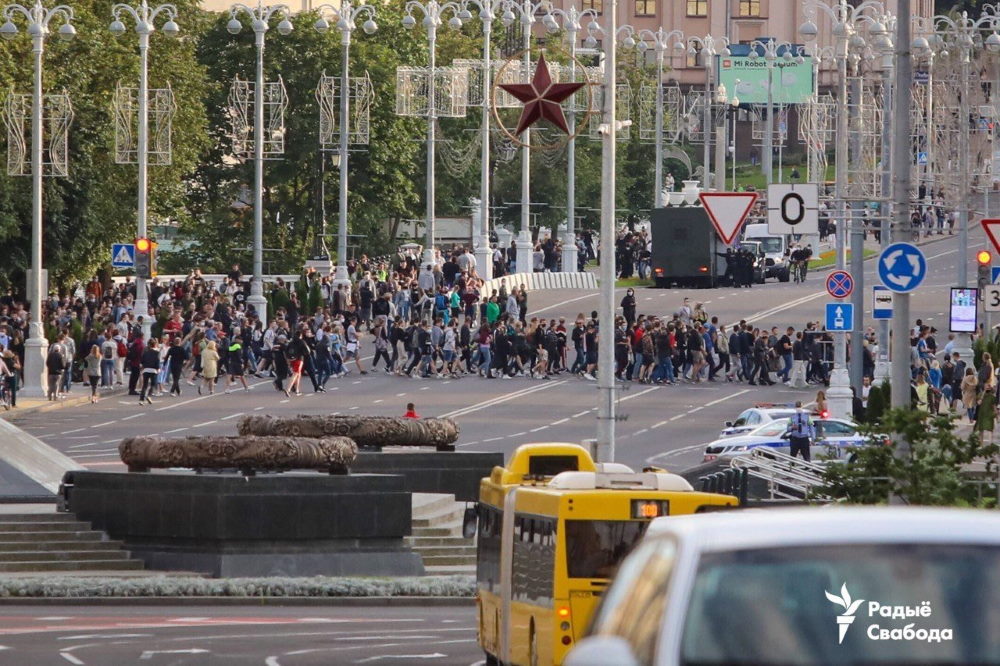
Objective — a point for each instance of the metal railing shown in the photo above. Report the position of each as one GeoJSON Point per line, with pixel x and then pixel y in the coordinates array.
{"type": "Point", "coordinates": [786, 477]}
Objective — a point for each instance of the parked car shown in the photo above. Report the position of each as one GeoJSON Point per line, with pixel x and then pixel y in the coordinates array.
{"type": "Point", "coordinates": [835, 438]}
{"type": "Point", "coordinates": [755, 416]}
{"type": "Point", "coordinates": [810, 586]}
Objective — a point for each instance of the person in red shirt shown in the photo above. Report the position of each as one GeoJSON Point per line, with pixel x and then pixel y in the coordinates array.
{"type": "Point", "coordinates": [411, 412]}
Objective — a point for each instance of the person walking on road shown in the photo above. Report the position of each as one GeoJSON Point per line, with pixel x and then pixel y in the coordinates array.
{"type": "Point", "coordinates": [176, 356]}
{"type": "Point", "coordinates": [92, 371]}
{"type": "Point", "coordinates": [55, 365]}
{"type": "Point", "coordinates": [150, 364]}
{"type": "Point", "coordinates": [801, 432]}
{"type": "Point", "coordinates": [209, 366]}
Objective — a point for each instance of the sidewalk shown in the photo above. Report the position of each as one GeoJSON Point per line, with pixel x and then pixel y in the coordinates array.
{"type": "Point", "coordinates": [80, 395]}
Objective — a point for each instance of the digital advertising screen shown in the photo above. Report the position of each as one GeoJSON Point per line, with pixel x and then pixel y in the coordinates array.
{"type": "Point", "coordinates": [962, 313]}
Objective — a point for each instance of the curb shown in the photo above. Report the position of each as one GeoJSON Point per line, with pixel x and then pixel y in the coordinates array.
{"type": "Point", "coordinates": [239, 601]}
{"type": "Point", "coordinates": [17, 412]}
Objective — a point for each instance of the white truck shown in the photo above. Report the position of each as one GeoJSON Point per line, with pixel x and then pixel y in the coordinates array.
{"type": "Point", "coordinates": [775, 248]}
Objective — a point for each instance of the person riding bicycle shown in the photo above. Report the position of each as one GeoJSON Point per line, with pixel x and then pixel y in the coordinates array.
{"type": "Point", "coordinates": [800, 262]}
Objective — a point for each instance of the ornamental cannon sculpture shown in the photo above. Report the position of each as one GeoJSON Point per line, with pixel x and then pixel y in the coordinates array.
{"type": "Point", "coordinates": [245, 453]}
{"type": "Point", "coordinates": [369, 432]}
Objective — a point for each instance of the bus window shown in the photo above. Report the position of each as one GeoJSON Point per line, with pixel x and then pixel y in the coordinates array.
{"type": "Point", "coordinates": [539, 466]}
{"type": "Point", "coordinates": [595, 547]}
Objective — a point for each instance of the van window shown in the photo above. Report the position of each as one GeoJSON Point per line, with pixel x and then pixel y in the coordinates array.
{"type": "Point", "coordinates": [776, 608]}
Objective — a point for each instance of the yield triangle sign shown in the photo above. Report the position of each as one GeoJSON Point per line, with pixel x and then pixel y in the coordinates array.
{"type": "Point", "coordinates": [992, 229]}
{"type": "Point", "coordinates": [728, 210]}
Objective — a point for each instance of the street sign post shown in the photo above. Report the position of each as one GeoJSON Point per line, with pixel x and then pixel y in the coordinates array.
{"type": "Point", "coordinates": [839, 317]}
{"type": "Point", "coordinates": [902, 267]}
{"type": "Point", "coordinates": [839, 284]}
{"type": "Point", "coordinates": [123, 255]}
{"type": "Point", "coordinates": [727, 211]}
{"type": "Point", "coordinates": [793, 209]}
{"type": "Point", "coordinates": [881, 303]}
{"type": "Point", "coordinates": [991, 298]}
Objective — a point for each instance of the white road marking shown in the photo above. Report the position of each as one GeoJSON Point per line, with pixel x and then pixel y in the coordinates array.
{"type": "Point", "coordinates": [67, 432]}
{"type": "Point", "coordinates": [560, 421]}
{"type": "Point", "coordinates": [492, 439]}
{"type": "Point", "coordinates": [70, 658]}
{"type": "Point", "coordinates": [380, 657]}
{"type": "Point", "coordinates": [170, 432]}
{"type": "Point", "coordinates": [517, 434]}
{"type": "Point", "coordinates": [728, 397]}
{"type": "Point", "coordinates": [148, 654]}
{"type": "Point", "coordinates": [206, 423]}
{"type": "Point", "coordinates": [400, 395]}
{"type": "Point", "coordinates": [257, 409]}
{"type": "Point", "coordinates": [133, 416]}
{"type": "Point", "coordinates": [81, 637]}
{"type": "Point", "coordinates": [231, 416]}
{"type": "Point", "coordinates": [579, 414]}
{"type": "Point", "coordinates": [539, 428]}
{"type": "Point", "coordinates": [375, 402]}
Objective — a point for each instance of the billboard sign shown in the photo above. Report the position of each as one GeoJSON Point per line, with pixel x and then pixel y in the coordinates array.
{"type": "Point", "coordinates": [793, 82]}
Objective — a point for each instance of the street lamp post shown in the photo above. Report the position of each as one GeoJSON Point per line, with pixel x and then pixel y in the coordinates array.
{"type": "Point", "coordinates": [145, 23]}
{"type": "Point", "coordinates": [38, 18]}
{"type": "Point", "coordinates": [260, 16]}
{"type": "Point", "coordinates": [962, 33]}
{"type": "Point", "coordinates": [771, 50]}
{"type": "Point", "coordinates": [481, 246]}
{"type": "Point", "coordinates": [708, 46]}
{"type": "Point", "coordinates": [843, 18]}
{"type": "Point", "coordinates": [571, 19]}
{"type": "Point", "coordinates": [432, 12]}
{"type": "Point", "coordinates": [727, 105]}
{"type": "Point", "coordinates": [345, 16]}
{"type": "Point", "coordinates": [661, 42]}
{"type": "Point", "coordinates": [525, 13]}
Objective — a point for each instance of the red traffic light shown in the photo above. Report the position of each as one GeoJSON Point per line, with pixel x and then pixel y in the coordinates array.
{"type": "Point", "coordinates": [984, 257]}
{"type": "Point", "coordinates": [142, 245]}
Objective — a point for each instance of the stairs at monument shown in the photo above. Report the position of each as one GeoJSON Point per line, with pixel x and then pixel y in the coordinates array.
{"type": "Point", "coordinates": [437, 535]}
{"type": "Point", "coordinates": [58, 542]}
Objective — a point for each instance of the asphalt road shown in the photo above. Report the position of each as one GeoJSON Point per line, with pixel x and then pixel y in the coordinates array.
{"type": "Point", "coordinates": [237, 636]}
{"type": "Point", "coordinates": [665, 425]}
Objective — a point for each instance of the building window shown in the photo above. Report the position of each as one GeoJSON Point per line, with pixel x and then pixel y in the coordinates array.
{"type": "Point", "coordinates": [645, 7]}
{"type": "Point", "coordinates": [694, 54]}
{"type": "Point", "coordinates": [697, 7]}
{"type": "Point", "coordinates": [749, 8]}
{"type": "Point", "coordinates": [596, 5]}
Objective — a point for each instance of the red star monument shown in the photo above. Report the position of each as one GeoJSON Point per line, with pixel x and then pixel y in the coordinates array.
{"type": "Point", "coordinates": [542, 98]}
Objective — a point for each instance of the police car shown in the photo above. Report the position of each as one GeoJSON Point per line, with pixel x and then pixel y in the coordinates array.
{"type": "Point", "coordinates": [834, 438]}
{"type": "Point", "coordinates": [759, 414]}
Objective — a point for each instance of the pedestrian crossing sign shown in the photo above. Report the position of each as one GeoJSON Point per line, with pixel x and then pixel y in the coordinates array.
{"type": "Point", "coordinates": [123, 255]}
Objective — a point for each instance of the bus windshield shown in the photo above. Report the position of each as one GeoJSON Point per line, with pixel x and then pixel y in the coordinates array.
{"type": "Point", "coordinates": [594, 548]}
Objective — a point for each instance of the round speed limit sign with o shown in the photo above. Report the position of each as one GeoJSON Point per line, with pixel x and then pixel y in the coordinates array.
{"type": "Point", "coordinates": [793, 209]}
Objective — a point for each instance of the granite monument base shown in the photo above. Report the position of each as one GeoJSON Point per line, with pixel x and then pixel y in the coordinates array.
{"type": "Point", "coordinates": [269, 525]}
{"type": "Point", "coordinates": [451, 473]}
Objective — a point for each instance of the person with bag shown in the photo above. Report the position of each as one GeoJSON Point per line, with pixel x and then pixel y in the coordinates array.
{"type": "Point", "coordinates": [150, 367]}
{"type": "Point", "coordinates": [55, 366]}
{"type": "Point", "coordinates": [92, 371]}
{"type": "Point", "coordinates": [176, 357]}
{"type": "Point", "coordinates": [801, 432]}
{"type": "Point", "coordinates": [209, 366]}
{"type": "Point", "coordinates": [134, 359]}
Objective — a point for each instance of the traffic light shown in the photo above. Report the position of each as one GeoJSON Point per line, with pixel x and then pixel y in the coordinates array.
{"type": "Point", "coordinates": [984, 276]}
{"type": "Point", "coordinates": [145, 258]}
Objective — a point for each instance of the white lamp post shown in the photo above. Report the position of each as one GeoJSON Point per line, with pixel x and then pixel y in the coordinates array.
{"type": "Point", "coordinates": [38, 18]}
{"type": "Point", "coordinates": [144, 18]}
{"type": "Point", "coordinates": [709, 48]}
{"type": "Point", "coordinates": [433, 13]}
{"type": "Point", "coordinates": [570, 19]}
{"type": "Point", "coordinates": [260, 16]}
{"type": "Point", "coordinates": [346, 16]}
{"type": "Point", "coordinates": [661, 42]}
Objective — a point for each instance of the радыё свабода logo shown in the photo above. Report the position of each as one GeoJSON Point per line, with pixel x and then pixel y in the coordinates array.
{"type": "Point", "coordinates": [845, 619]}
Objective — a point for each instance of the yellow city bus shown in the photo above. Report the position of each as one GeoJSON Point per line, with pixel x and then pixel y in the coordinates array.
{"type": "Point", "coordinates": [552, 527]}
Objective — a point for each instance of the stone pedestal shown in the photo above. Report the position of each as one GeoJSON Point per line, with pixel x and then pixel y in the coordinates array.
{"type": "Point", "coordinates": [274, 525]}
{"type": "Point", "coordinates": [455, 474]}
{"type": "Point", "coordinates": [839, 394]}
{"type": "Point", "coordinates": [35, 351]}
{"type": "Point", "coordinates": [525, 262]}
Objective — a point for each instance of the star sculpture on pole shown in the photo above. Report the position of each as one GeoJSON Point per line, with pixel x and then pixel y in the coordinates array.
{"type": "Point", "coordinates": [542, 98]}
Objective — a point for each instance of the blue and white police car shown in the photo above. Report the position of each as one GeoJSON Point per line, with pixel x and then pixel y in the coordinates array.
{"type": "Point", "coordinates": [754, 417]}
{"type": "Point", "coordinates": [834, 438]}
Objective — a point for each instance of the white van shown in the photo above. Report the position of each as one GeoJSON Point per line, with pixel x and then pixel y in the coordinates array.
{"type": "Point", "coordinates": [775, 251]}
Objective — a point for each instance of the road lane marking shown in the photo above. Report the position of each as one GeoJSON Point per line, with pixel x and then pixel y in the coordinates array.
{"type": "Point", "coordinates": [133, 416]}
{"type": "Point", "coordinates": [206, 423]}
{"type": "Point", "coordinates": [70, 658]}
{"type": "Point", "coordinates": [539, 428]}
{"type": "Point", "coordinates": [169, 432]}
{"type": "Point", "coordinates": [501, 399]}
{"type": "Point", "coordinates": [728, 397]}
{"type": "Point", "coordinates": [231, 416]}
{"type": "Point", "coordinates": [67, 432]}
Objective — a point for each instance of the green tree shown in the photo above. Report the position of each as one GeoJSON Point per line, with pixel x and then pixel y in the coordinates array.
{"type": "Point", "coordinates": [930, 473]}
{"type": "Point", "coordinates": [96, 204]}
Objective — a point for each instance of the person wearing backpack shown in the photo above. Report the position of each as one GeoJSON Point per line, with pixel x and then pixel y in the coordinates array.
{"type": "Point", "coordinates": [800, 432]}
{"type": "Point", "coordinates": [55, 365]}
{"type": "Point", "coordinates": [109, 349]}
{"type": "Point", "coordinates": [121, 353]}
